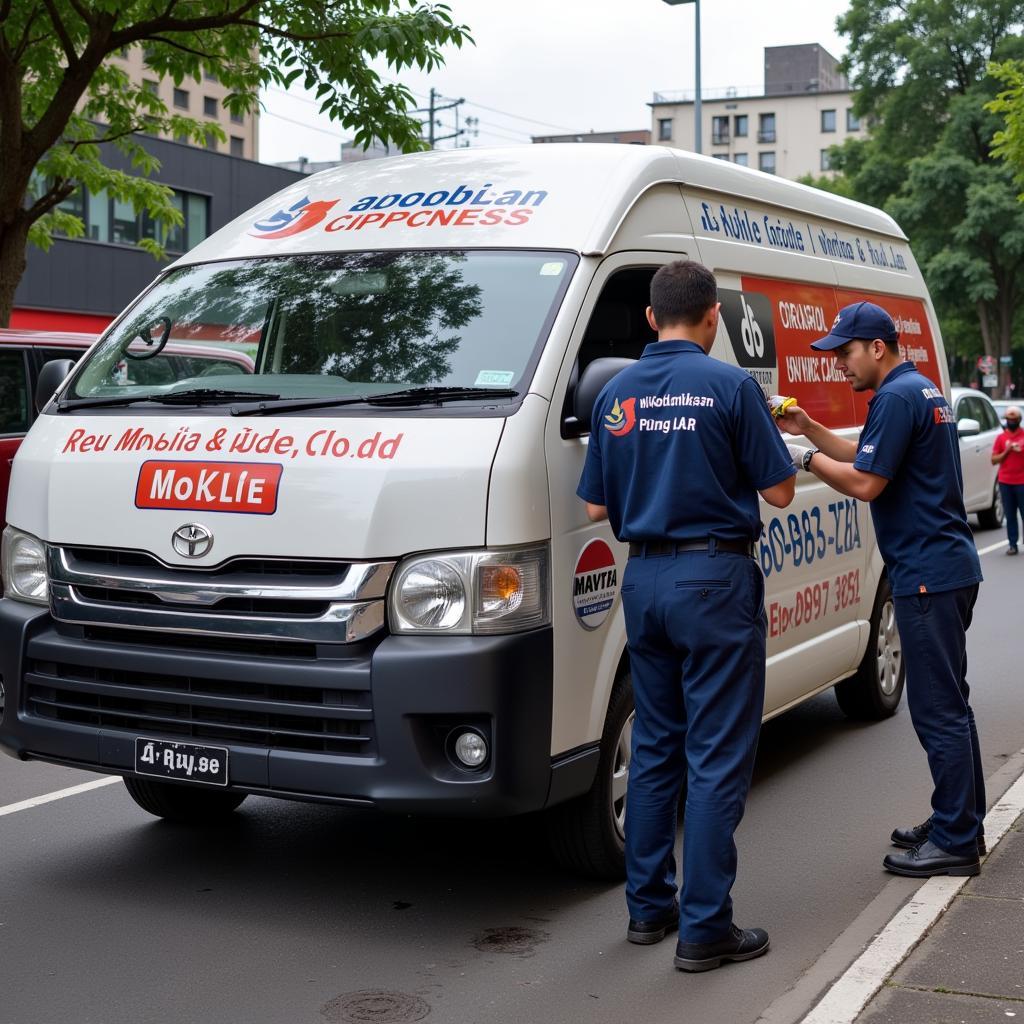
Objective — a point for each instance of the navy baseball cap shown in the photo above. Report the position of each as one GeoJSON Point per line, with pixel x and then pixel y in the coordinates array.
{"type": "Point", "coordinates": [861, 320]}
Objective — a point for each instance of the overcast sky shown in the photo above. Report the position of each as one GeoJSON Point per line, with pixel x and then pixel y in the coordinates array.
{"type": "Point", "coordinates": [549, 66]}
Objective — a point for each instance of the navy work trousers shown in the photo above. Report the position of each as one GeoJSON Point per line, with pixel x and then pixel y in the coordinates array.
{"type": "Point", "coordinates": [696, 627]}
{"type": "Point", "coordinates": [933, 631]}
{"type": "Point", "coordinates": [1013, 504]}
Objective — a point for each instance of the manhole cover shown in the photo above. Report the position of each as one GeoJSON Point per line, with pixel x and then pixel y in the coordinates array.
{"type": "Point", "coordinates": [377, 1006]}
{"type": "Point", "coordinates": [521, 941]}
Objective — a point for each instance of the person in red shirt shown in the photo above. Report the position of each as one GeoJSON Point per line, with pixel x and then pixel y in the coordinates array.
{"type": "Point", "coordinates": [1008, 455]}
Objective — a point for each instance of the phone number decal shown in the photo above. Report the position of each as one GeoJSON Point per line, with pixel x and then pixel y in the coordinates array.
{"type": "Point", "coordinates": [814, 602]}
{"type": "Point", "coordinates": [811, 536]}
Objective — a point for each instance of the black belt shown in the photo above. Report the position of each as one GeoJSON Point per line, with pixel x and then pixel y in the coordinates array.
{"type": "Point", "coordinates": [646, 548]}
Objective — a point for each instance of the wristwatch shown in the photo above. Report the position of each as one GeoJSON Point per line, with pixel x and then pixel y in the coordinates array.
{"type": "Point", "coordinates": [808, 455]}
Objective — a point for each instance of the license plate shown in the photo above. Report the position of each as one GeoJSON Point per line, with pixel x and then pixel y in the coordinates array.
{"type": "Point", "coordinates": [187, 761]}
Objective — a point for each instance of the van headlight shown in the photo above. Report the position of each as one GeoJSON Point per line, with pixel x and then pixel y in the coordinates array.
{"type": "Point", "coordinates": [464, 592]}
{"type": "Point", "coordinates": [23, 564]}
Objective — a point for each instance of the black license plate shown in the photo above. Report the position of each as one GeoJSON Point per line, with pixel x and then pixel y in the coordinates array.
{"type": "Point", "coordinates": [187, 761]}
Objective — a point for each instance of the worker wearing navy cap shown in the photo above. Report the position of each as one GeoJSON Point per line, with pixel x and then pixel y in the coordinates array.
{"type": "Point", "coordinates": [679, 448]}
{"type": "Point", "coordinates": [906, 463]}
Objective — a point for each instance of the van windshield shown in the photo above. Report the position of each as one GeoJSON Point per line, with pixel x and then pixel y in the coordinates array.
{"type": "Point", "coordinates": [333, 325]}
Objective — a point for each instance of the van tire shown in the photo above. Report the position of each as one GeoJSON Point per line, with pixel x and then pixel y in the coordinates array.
{"type": "Point", "coordinates": [186, 804]}
{"type": "Point", "coordinates": [992, 518]}
{"type": "Point", "coordinates": [874, 692]}
{"type": "Point", "coordinates": [585, 834]}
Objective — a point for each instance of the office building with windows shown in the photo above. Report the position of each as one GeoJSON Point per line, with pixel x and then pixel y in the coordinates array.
{"type": "Point", "coordinates": [805, 109]}
{"type": "Point", "coordinates": [82, 284]}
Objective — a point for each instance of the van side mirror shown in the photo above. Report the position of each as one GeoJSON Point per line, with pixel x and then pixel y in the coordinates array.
{"type": "Point", "coordinates": [968, 428]}
{"type": "Point", "coordinates": [592, 380]}
{"type": "Point", "coordinates": [50, 378]}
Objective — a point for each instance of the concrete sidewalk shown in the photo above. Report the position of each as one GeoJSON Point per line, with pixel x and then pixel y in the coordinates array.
{"type": "Point", "coordinates": [969, 968]}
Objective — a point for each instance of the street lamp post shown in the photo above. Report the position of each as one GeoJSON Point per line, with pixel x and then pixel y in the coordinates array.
{"type": "Point", "coordinates": [696, 95]}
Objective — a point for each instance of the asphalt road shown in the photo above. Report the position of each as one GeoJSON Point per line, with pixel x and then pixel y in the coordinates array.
{"type": "Point", "coordinates": [301, 914]}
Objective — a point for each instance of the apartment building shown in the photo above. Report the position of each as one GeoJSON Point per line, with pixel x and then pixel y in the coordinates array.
{"type": "Point", "coordinates": [201, 100]}
{"type": "Point", "coordinates": [805, 109]}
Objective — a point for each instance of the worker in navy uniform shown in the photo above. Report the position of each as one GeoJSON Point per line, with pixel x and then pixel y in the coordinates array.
{"type": "Point", "coordinates": [680, 445]}
{"type": "Point", "coordinates": [907, 465]}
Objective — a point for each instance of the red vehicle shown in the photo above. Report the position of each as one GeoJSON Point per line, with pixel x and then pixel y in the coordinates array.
{"type": "Point", "coordinates": [23, 353]}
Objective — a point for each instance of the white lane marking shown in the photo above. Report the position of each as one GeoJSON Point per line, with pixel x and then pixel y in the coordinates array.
{"type": "Point", "coordinates": [24, 805]}
{"type": "Point", "coordinates": [851, 993]}
{"type": "Point", "coordinates": [992, 547]}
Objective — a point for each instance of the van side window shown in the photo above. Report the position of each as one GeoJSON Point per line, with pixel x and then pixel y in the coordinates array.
{"type": "Point", "coordinates": [14, 397]}
{"type": "Point", "coordinates": [617, 327]}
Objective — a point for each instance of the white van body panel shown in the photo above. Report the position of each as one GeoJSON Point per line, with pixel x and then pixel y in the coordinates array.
{"type": "Point", "coordinates": [431, 495]}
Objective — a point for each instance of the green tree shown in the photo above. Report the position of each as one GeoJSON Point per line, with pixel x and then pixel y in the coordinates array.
{"type": "Point", "coordinates": [1009, 140]}
{"type": "Point", "coordinates": [921, 72]}
{"type": "Point", "coordinates": [63, 98]}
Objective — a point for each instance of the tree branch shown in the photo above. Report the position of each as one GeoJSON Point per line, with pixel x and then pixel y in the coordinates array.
{"type": "Point", "coordinates": [52, 198]}
{"type": "Point", "coordinates": [61, 32]}
{"type": "Point", "coordinates": [108, 138]}
{"type": "Point", "coordinates": [183, 48]}
{"type": "Point", "coordinates": [147, 29]}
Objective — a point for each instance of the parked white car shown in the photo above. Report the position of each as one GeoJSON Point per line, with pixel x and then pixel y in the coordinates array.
{"type": "Point", "coordinates": [978, 425]}
{"type": "Point", "coordinates": [1002, 404]}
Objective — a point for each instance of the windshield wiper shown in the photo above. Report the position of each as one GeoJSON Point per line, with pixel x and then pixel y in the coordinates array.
{"type": "Point", "coordinates": [193, 396]}
{"type": "Point", "coordinates": [405, 397]}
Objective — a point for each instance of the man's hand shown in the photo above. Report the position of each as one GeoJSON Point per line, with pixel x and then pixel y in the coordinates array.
{"type": "Point", "coordinates": [797, 453]}
{"type": "Point", "coordinates": [794, 421]}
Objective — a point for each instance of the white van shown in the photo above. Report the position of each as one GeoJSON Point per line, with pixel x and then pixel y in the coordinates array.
{"type": "Point", "coordinates": [360, 574]}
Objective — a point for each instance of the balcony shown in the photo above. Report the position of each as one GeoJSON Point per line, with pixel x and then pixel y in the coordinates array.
{"type": "Point", "coordinates": [720, 138]}
{"type": "Point", "coordinates": [767, 135]}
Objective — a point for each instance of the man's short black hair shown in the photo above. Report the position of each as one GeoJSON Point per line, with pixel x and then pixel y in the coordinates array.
{"type": "Point", "coordinates": [682, 292]}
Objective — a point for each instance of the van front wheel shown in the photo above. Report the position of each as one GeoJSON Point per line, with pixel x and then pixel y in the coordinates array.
{"type": "Point", "coordinates": [187, 804]}
{"type": "Point", "coordinates": [875, 691]}
{"type": "Point", "coordinates": [587, 834]}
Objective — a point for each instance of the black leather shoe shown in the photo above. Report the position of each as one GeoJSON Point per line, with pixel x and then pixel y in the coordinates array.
{"type": "Point", "coordinates": [647, 933]}
{"type": "Point", "coordinates": [927, 859]}
{"type": "Point", "coordinates": [739, 944]}
{"type": "Point", "coordinates": [908, 838]}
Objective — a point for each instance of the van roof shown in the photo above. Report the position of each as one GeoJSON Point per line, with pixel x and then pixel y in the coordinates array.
{"type": "Point", "coordinates": [557, 196]}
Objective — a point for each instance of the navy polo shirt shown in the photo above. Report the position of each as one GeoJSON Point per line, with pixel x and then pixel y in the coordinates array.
{"type": "Point", "coordinates": [680, 444]}
{"type": "Point", "coordinates": [910, 438]}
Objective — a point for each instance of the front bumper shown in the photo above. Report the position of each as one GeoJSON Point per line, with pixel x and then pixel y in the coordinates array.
{"type": "Point", "coordinates": [364, 725]}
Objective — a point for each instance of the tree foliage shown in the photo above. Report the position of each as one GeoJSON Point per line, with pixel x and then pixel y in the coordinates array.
{"type": "Point", "coordinates": [65, 97]}
{"type": "Point", "coordinates": [920, 69]}
{"type": "Point", "coordinates": [1009, 140]}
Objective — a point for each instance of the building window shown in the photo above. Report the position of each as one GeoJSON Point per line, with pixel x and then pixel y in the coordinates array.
{"type": "Point", "coordinates": [739, 126]}
{"type": "Point", "coordinates": [828, 120]}
{"type": "Point", "coordinates": [237, 118]}
{"type": "Point", "coordinates": [665, 129]}
{"type": "Point", "coordinates": [766, 128]}
{"type": "Point", "coordinates": [211, 141]}
{"type": "Point", "coordinates": [237, 146]}
{"type": "Point", "coordinates": [766, 162]}
{"type": "Point", "coordinates": [741, 159]}
{"type": "Point", "coordinates": [150, 86]}
{"type": "Point", "coordinates": [720, 156]}
{"type": "Point", "coordinates": [826, 163]}
{"type": "Point", "coordinates": [210, 76]}
{"type": "Point", "coordinates": [719, 130]}
{"type": "Point", "coordinates": [210, 106]}
{"type": "Point", "coordinates": [852, 120]}
{"type": "Point", "coordinates": [181, 98]}
{"type": "Point", "coordinates": [114, 221]}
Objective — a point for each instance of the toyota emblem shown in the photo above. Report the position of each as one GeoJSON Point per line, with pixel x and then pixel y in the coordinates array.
{"type": "Point", "coordinates": [192, 540]}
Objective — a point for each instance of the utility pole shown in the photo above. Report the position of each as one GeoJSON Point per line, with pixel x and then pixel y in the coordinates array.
{"type": "Point", "coordinates": [433, 123]}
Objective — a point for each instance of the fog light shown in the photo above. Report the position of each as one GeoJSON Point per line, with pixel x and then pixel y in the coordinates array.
{"type": "Point", "coordinates": [471, 749]}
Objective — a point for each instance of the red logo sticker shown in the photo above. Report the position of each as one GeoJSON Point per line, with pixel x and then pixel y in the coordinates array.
{"type": "Point", "coordinates": [246, 487]}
